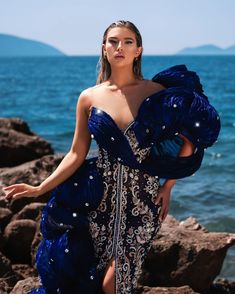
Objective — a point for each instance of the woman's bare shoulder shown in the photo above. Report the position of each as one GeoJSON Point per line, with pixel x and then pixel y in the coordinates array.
{"type": "Point", "coordinates": [88, 95]}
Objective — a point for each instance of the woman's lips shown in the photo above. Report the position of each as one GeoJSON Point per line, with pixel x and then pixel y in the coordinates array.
{"type": "Point", "coordinates": [119, 56]}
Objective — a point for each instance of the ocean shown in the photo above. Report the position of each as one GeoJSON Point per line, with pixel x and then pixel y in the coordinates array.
{"type": "Point", "coordinates": [44, 91]}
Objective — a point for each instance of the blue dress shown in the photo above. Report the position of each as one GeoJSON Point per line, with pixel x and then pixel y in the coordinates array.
{"type": "Point", "coordinates": [108, 207]}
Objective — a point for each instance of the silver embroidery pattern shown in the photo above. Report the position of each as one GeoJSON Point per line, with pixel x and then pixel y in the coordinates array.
{"type": "Point", "coordinates": [140, 153]}
{"type": "Point", "coordinates": [127, 219]}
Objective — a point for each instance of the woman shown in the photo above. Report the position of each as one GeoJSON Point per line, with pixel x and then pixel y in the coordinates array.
{"type": "Point", "coordinates": [145, 130]}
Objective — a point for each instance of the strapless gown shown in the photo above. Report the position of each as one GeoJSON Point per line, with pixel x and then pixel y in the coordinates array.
{"type": "Point", "coordinates": [119, 216]}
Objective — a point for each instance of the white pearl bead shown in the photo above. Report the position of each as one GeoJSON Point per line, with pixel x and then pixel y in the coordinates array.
{"type": "Point", "coordinates": [163, 127]}
{"type": "Point", "coordinates": [91, 177]}
{"type": "Point", "coordinates": [75, 184]}
{"type": "Point", "coordinates": [147, 99]}
{"type": "Point", "coordinates": [66, 250]}
{"type": "Point", "coordinates": [75, 214]}
{"type": "Point", "coordinates": [174, 105]}
{"type": "Point", "coordinates": [112, 138]}
{"type": "Point", "coordinates": [92, 136]}
{"type": "Point", "coordinates": [197, 124]}
{"type": "Point", "coordinates": [92, 277]}
{"type": "Point", "coordinates": [119, 159]}
{"type": "Point", "coordinates": [87, 204]}
{"type": "Point", "coordinates": [147, 130]}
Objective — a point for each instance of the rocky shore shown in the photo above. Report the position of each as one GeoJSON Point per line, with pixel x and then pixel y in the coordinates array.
{"type": "Point", "coordinates": [184, 258]}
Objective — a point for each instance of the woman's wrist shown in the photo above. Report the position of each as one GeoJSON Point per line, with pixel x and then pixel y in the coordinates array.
{"type": "Point", "coordinates": [168, 184]}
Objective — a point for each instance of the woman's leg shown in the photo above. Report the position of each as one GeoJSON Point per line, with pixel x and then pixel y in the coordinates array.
{"type": "Point", "coordinates": [108, 285]}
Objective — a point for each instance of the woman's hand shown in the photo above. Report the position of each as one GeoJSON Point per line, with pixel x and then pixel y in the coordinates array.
{"type": "Point", "coordinates": [21, 190]}
{"type": "Point", "coordinates": [164, 198]}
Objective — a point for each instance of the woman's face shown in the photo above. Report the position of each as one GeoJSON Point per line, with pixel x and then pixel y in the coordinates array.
{"type": "Point", "coordinates": [120, 47]}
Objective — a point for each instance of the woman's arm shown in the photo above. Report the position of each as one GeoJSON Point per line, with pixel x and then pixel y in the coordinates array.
{"type": "Point", "coordinates": [165, 190]}
{"type": "Point", "coordinates": [70, 163]}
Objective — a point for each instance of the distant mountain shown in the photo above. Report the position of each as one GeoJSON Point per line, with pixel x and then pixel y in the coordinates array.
{"type": "Point", "coordinates": [207, 50]}
{"type": "Point", "coordinates": [16, 46]}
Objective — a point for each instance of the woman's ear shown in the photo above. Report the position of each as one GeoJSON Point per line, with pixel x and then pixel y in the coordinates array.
{"type": "Point", "coordinates": [104, 49]}
{"type": "Point", "coordinates": [138, 51]}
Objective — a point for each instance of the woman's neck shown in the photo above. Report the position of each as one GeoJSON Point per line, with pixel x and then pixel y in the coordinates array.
{"type": "Point", "coordinates": [122, 78]}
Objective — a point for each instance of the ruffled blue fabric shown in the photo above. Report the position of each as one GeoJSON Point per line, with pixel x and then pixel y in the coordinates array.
{"type": "Point", "coordinates": [65, 258]}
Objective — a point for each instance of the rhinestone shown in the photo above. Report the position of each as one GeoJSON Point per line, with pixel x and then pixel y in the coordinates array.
{"type": "Point", "coordinates": [119, 159]}
{"type": "Point", "coordinates": [195, 150]}
{"type": "Point", "coordinates": [91, 177]}
{"type": "Point", "coordinates": [174, 105]}
{"type": "Point", "coordinates": [51, 205]}
{"type": "Point", "coordinates": [156, 177]}
{"type": "Point", "coordinates": [58, 290]}
{"type": "Point", "coordinates": [61, 224]}
{"type": "Point", "coordinates": [51, 260]}
{"type": "Point", "coordinates": [90, 162]}
{"type": "Point", "coordinates": [87, 204]}
{"type": "Point", "coordinates": [152, 143]}
{"type": "Point", "coordinates": [92, 277]}
{"type": "Point", "coordinates": [66, 250]}
{"type": "Point", "coordinates": [197, 124]}
{"type": "Point", "coordinates": [112, 138]}
{"type": "Point", "coordinates": [92, 136]}
{"type": "Point", "coordinates": [75, 214]}
{"type": "Point", "coordinates": [198, 140]}
{"type": "Point", "coordinates": [163, 127]}
{"type": "Point", "coordinates": [147, 130]}
{"type": "Point", "coordinates": [75, 184]}
{"type": "Point", "coordinates": [176, 133]}
{"type": "Point", "coordinates": [98, 111]}
{"type": "Point", "coordinates": [147, 99]}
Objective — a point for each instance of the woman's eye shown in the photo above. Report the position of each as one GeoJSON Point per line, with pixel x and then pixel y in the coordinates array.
{"type": "Point", "coordinates": [128, 42]}
{"type": "Point", "coordinates": [112, 41]}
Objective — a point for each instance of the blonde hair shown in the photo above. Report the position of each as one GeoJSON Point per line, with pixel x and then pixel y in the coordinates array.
{"type": "Point", "coordinates": [104, 65]}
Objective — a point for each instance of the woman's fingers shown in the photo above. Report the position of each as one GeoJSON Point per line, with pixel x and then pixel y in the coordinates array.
{"type": "Point", "coordinates": [10, 187]}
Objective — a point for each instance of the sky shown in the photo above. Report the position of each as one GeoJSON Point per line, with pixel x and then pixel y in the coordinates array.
{"type": "Point", "coordinates": [76, 27]}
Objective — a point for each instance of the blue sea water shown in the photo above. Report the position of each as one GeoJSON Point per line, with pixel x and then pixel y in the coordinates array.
{"type": "Point", "coordinates": [44, 92]}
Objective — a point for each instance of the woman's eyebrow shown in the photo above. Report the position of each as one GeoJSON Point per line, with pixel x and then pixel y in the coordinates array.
{"type": "Point", "coordinates": [127, 38]}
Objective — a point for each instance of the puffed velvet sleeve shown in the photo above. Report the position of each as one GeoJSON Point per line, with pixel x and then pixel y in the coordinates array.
{"type": "Point", "coordinates": [181, 108]}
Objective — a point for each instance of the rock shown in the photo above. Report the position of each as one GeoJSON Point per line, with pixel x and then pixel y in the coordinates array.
{"type": "Point", "coordinates": [185, 255]}
{"type": "Point", "coordinates": [169, 290]}
{"type": "Point", "coordinates": [8, 278]}
{"type": "Point", "coordinates": [5, 266]}
{"type": "Point", "coordinates": [3, 201]}
{"type": "Point", "coordinates": [30, 211]}
{"type": "Point", "coordinates": [24, 270]}
{"type": "Point", "coordinates": [24, 286]}
{"type": "Point", "coordinates": [5, 216]}
{"type": "Point", "coordinates": [32, 173]}
{"type": "Point", "coordinates": [4, 287]}
{"type": "Point", "coordinates": [18, 144]}
{"type": "Point", "coordinates": [18, 236]}
{"type": "Point", "coordinates": [221, 286]}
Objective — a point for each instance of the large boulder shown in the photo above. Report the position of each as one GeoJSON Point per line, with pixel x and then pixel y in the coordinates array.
{"type": "Point", "coordinates": [184, 253]}
{"type": "Point", "coordinates": [18, 144]}
{"type": "Point", "coordinates": [18, 236]}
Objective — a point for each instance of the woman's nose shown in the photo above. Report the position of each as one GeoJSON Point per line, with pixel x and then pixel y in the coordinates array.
{"type": "Point", "coordinates": [119, 46]}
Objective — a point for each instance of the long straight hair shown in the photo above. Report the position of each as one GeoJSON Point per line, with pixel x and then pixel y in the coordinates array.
{"type": "Point", "coordinates": [104, 65]}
